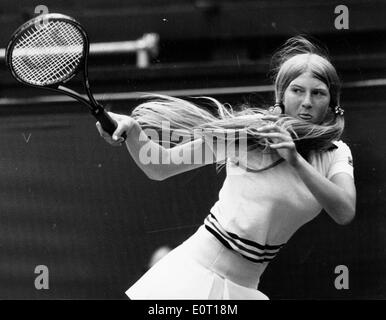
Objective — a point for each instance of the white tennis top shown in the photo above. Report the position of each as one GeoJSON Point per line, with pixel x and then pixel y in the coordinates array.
{"type": "Point", "coordinates": [257, 212]}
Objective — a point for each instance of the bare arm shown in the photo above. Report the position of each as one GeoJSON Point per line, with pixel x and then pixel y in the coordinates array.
{"type": "Point", "coordinates": [156, 161]}
{"type": "Point", "coordinates": [337, 195]}
{"type": "Point", "coordinates": [160, 162]}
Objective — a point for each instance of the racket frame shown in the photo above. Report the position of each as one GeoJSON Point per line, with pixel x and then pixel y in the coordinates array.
{"type": "Point", "coordinates": [95, 108]}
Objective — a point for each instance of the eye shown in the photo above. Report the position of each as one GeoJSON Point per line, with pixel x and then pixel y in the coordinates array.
{"type": "Point", "coordinates": [319, 93]}
{"type": "Point", "coordinates": [296, 90]}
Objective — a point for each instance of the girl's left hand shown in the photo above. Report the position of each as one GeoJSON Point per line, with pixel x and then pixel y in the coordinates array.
{"type": "Point", "coordinates": [281, 138]}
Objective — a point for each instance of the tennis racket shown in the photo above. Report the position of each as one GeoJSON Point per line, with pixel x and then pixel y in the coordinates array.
{"type": "Point", "coordinates": [49, 50]}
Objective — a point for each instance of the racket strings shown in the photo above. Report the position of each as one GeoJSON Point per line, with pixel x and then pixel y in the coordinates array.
{"type": "Point", "coordinates": [48, 54]}
{"type": "Point", "coordinates": [49, 47]}
{"type": "Point", "coordinates": [56, 65]}
{"type": "Point", "coordinates": [56, 55]}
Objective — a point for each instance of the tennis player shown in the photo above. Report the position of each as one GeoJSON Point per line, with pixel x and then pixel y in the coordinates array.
{"type": "Point", "coordinates": [296, 166]}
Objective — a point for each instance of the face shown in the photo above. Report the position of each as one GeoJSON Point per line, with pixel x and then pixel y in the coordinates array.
{"type": "Point", "coordinates": [307, 98]}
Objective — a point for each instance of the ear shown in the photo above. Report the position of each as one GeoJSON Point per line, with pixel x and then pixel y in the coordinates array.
{"type": "Point", "coordinates": [276, 109]}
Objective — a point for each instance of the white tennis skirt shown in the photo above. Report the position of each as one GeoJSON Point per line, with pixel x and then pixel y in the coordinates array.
{"type": "Point", "coordinates": [200, 268]}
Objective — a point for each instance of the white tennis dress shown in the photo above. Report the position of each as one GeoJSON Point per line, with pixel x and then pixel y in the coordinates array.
{"type": "Point", "coordinates": [256, 214]}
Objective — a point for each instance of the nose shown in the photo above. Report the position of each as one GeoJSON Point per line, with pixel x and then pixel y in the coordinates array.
{"type": "Point", "coordinates": [307, 103]}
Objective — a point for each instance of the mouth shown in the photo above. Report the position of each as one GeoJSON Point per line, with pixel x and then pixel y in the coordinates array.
{"type": "Point", "coordinates": [305, 116]}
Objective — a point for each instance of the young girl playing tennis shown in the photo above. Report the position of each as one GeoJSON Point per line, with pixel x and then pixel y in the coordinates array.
{"type": "Point", "coordinates": [294, 166]}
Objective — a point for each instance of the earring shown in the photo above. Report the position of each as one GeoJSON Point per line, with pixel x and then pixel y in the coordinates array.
{"type": "Point", "coordinates": [276, 108]}
{"type": "Point", "coordinates": [338, 110]}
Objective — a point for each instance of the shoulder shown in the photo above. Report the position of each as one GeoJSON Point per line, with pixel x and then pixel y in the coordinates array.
{"type": "Point", "coordinates": [342, 151]}
{"type": "Point", "coordinates": [335, 148]}
{"type": "Point", "coordinates": [340, 145]}
{"type": "Point", "coordinates": [338, 158]}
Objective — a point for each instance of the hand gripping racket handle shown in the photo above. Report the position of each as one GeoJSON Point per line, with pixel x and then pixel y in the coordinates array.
{"type": "Point", "coordinates": [105, 120]}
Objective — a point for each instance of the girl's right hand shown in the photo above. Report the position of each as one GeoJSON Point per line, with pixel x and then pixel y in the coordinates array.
{"type": "Point", "coordinates": [124, 125]}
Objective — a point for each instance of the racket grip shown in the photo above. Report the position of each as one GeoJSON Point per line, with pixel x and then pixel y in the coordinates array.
{"type": "Point", "coordinates": [106, 121]}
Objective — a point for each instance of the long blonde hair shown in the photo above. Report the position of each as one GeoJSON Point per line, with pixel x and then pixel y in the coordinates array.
{"type": "Point", "coordinates": [296, 56]}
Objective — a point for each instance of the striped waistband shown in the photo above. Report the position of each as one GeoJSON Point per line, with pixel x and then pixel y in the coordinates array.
{"type": "Point", "coordinates": [249, 249]}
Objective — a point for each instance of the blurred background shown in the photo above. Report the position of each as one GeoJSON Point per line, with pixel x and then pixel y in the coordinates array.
{"type": "Point", "coordinates": [82, 208]}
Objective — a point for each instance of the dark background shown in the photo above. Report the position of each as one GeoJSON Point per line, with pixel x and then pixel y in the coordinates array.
{"type": "Point", "coordinates": [73, 203]}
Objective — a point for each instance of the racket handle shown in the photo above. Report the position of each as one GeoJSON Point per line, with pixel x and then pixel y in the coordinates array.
{"type": "Point", "coordinates": [105, 120]}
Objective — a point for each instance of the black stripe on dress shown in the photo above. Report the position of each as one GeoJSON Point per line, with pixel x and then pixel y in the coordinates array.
{"type": "Point", "coordinates": [239, 246]}
{"type": "Point", "coordinates": [226, 244]}
{"type": "Point", "coordinates": [250, 242]}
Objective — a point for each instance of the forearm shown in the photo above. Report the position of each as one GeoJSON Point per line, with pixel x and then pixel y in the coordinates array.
{"type": "Point", "coordinates": [140, 146]}
{"type": "Point", "coordinates": [336, 201]}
